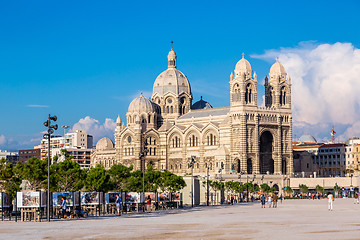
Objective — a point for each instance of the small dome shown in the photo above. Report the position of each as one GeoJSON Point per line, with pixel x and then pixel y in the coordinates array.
{"type": "Point", "coordinates": [104, 144]}
{"type": "Point", "coordinates": [201, 104]}
{"type": "Point", "coordinates": [243, 66]}
{"type": "Point", "coordinates": [277, 68]}
{"type": "Point", "coordinates": [141, 104]}
{"type": "Point", "coordinates": [307, 138]}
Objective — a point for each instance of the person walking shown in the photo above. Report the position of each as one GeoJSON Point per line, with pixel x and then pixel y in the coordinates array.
{"type": "Point", "coordinates": [330, 201]}
{"type": "Point", "coordinates": [281, 198]}
{"type": "Point", "coordinates": [263, 200]}
{"type": "Point", "coordinates": [269, 200]}
{"type": "Point", "coordinates": [275, 199]}
{"type": "Point", "coordinates": [118, 204]}
{"type": "Point", "coordinates": [148, 204]}
{"type": "Point", "coordinates": [63, 206]}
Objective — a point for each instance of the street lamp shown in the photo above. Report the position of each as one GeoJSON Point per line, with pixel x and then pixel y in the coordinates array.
{"type": "Point", "coordinates": [144, 151]}
{"type": "Point", "coordinates": [191, 165]}
{"type": "Point", "coordinates": [207, 186]}
{"type": "Point", "coordinates": [65, 127]}
{"type": "Point", "coordinates": [50, 131]}
{"type": "Point", "coordinates": [351, 186]}
{"type": "Point", "coordinates": [239, 177]}
{"type": "Point", "coordinates": [220, 171]}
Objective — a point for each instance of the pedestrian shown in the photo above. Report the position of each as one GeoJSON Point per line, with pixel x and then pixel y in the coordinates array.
{"type": "Point", "coordinates": [281, 198]}
{"type": "Point", "coordinates": [63, 206]}
{"type": "Point", "coordinates": [330, 201]}
{"type": "Point", "coordinates": [118, 204]}
{"type": "Point", "coordinates": [275, 199]}
{"type": "Point", "coordinates": [355, 197]}
{"type": "Point", "coordinates": [148, 204]}
{"type": "Point", "coordinates": [263, 200]}
{"type": "Point", "coordinates": [269, 200]}
{"type": "Point", "coordinates": [232, 199]}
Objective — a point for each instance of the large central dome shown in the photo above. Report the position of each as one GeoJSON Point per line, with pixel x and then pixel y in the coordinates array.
{"type": "Point", "coordinates": [171, 80]}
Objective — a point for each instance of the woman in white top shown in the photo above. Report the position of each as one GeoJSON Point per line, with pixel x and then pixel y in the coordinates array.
{"type": "Point", "coordinates": [269, 200]}
{"type": "Point", "coordinates": [330, 201]}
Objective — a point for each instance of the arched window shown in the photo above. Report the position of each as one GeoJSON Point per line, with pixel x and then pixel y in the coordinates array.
{"type": "Point", "coordinates": [283, 96]}
{"type": "Point", "coordinates": [167, 109]}
{"type": "Point", "coordinates": [248, 93]}
{"type": "Point", "coordinates": [236, 93]}
{"type": "Point", "coordinates": [171, 109]}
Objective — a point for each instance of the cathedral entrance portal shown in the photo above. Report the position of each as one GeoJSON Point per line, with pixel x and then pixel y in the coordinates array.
{"type": "Point", "coordinates": [238, 166]}
{"type": "Point", "coordinates": [266, 149]}
{"type": "Point", "coordinates": [249, 166]}
{"type": "Point", "coordinates": [283, 166]}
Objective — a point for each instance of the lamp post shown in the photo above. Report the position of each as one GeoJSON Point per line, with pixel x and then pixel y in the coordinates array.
{"type": "Point", "coordinates": [241, 173]}
{"type": "Point", "coordinates": [144, 151]}
{"type": "Point", "coordinates": [50, 131]}
{"type": "Point", "coordinates": [207, 186]}
{"type": "Point", "coordinates": [191, 165]}
{"type": "Point", "coordinates": [65, 127]}
{"type": "Point", "coordinates": [247, 188]}
{"type": "Point", "coordinates": [351, 186]}
{"type": "Point", "coordinates": [220, 171]}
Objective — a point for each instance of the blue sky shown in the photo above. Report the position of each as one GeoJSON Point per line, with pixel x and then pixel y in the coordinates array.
{"type": "Point", "coordinates": [90, 58]}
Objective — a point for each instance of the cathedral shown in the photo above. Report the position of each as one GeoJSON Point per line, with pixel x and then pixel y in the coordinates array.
{"type": "Point", "coordinates": [241, 138]}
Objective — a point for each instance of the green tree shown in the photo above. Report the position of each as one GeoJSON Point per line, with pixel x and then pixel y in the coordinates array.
{"type": "Point", "coordinates": [288, 190]}
{"type": "Point", "coordinates": [9, 179]}
{"type": "Point", "coordinates": [171, 182]}
{"type": "Point", "coordinates": [67, 176]}
{"type": "Point", "coordinates": [97, 180]}
{"type": "Point", "coordinates": [35, 171]}
{"type": "Point", "coordinates": [265, 187]}
{"type": "Point", "coordinates": [303, 189]}
{"type": "Point", "coordinates": [153, 179]}
{"type": "Point", "coordinates": [119, 175]}
{"type": "Point", "coordinates": [134, 182]}
{"type": "Point", "coordinates": [337, 189]}
{"type": "Point", "coordinates": [319, 189]}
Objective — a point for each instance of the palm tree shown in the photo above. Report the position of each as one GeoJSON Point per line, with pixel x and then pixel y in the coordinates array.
{"type": "Point", "coordinates": [337, 189]}
{"type": "Point", "coordinates": [319, 189]}
{"type": "Point", "coordinates": [303, 189]}
{"type": "Point", "coordinates": [288, 190]}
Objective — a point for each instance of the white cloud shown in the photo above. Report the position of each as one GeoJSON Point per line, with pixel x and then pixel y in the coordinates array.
{"type": "Point", "coordinates": [325, 84]}
{"type": "Point", "coordinates": [2, 139]}
{"type": "Point", "coordinates": [95, 128]}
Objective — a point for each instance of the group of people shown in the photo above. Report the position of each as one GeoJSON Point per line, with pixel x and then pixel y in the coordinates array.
{"type": "Point", "coordinates": [271, 199]}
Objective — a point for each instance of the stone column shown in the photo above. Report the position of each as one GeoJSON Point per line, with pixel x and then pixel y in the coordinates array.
{"type": "Point", "coordinates": [256, 162]}
{"type": "Point", "coordinates": [243, 154]}
{"type": "Point", "coordinates": [278, 154]}
{"type": "Point", "coordinates": [290, 164]}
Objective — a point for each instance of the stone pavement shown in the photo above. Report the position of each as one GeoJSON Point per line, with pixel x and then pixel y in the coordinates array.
{"type": "Point", "coordinates": [293, 219]}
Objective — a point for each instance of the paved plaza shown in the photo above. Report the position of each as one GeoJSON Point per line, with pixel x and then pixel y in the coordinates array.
{"type": "Point", "coordinates": [293, 219]}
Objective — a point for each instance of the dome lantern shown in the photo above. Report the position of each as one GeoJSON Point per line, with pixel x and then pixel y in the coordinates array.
{"type": "Point", "coordinates": [172, 59]}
